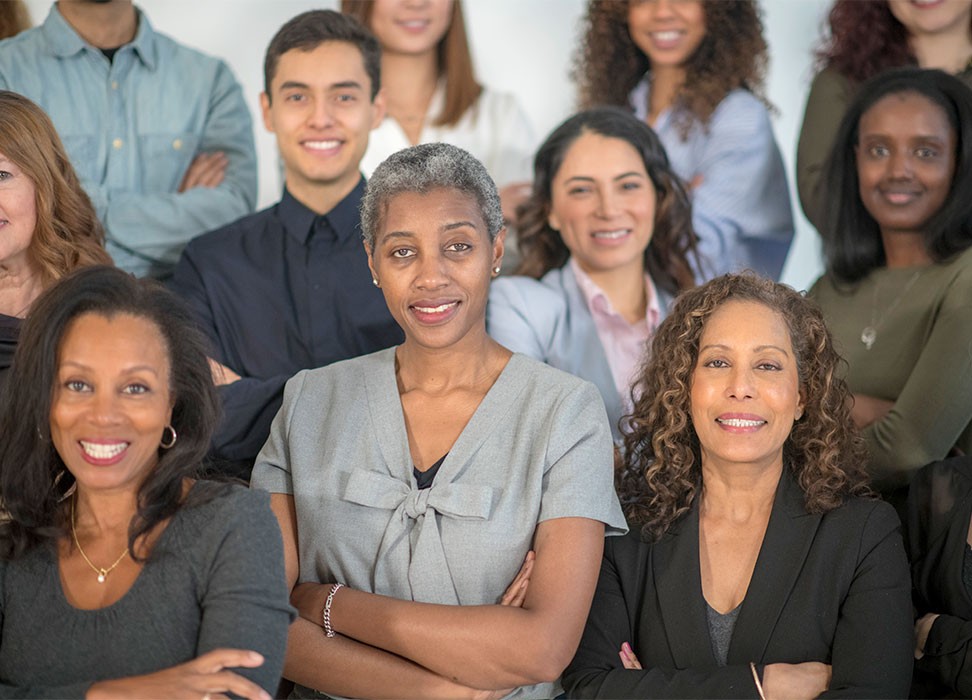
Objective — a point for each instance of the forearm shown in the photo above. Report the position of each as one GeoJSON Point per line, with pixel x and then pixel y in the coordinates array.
{"type": "Point", "coordinates": [948, 653]}
{"type": "Point", "coordinates": [720, 682]}
{"type": "Point", "coordinates": [342, 666]}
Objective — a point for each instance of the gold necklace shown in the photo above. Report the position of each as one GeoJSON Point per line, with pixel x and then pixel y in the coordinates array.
{"type": "Point", "coordinates": [102, 573]}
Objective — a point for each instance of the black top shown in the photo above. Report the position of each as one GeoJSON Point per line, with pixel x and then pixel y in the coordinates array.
{"type": "Point", "coordinates": [9, 334]}
{"type": "Point", "coordinates": [720, 631]}
{"type": "Point", "coordinates": [424, 479]}
{"type": "Point", "coordinates": [280, 291]}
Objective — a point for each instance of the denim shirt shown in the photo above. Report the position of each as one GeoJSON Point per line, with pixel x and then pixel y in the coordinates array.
{"type": "Point", "coordinates": [132, 127]}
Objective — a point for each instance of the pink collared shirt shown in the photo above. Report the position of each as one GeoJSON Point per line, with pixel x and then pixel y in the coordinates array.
{"type": "Point", "coordinates": [624, 343]}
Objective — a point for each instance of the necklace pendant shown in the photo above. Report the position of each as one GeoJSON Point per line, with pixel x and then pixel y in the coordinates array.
{"type": "Point", "coordinates": [101, 576]}
{"type": "Point", "coordinates": [868, 336]}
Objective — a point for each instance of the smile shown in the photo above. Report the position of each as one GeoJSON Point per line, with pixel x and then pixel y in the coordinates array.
{"type": "Point", "coordinates": [668, 36]}
{"type": "Point", "coordinates": [441, 308]}
{"type": "Point", "coordinates": [103, 451]}
{"type": "Point", "coordinates": [321, 145]}
{"type": "Point", "coordinates": [740, 422]}
{"type": "Point", "coordinates": [611, 235]}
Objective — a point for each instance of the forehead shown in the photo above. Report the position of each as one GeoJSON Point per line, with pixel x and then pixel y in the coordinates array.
{"type": "Point", "coordinates": [906, 113]}
{"type": "Point", "coordinates": [436, 210]}
{"type": "Point", "coordinates": [739, 323]}
{"type": "Point", "coordinates": [101, 338]}
{"type": "Point", "coordinates": [592, 153]}
{"type": "Point", "coordinates": [327, 64]}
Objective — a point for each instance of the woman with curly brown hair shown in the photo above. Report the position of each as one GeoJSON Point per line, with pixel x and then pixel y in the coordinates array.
{"type": "Point", "coordinates": [605, 240]}
{"type": "Point", "coordinates": [868, 37]}
{"type": "Point", "coordinates": [47, 224]}
{"type": "Point", "coordinates": [760, 567]}
{"type": "Point", "coordinates": [694, 71]}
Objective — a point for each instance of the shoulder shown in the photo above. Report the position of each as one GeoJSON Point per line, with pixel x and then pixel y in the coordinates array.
{"type": "Point", "coordinates": [559, 394]}
{"type": "Point", "coordinates": [831, 83]}
{"type": "Point", "coordinates": [216, 512]}
{"type": "Point", "coordinates": [741, 112]}
{"type": "Point", "coordinates": [344, 379]}
{"type": "Point", "coordinates": [173, 54]}
{"type": "Point", "coordinates": [937, 487]}
{"type": "Point", "coordinates": [865, 520]}
{"type": "Point", "coordinates": [29, 41]}
{"type": "Point", "coordinates": [526, 293]}
{"type": "Point", "coordinates": [498, 102]}
{"type": "Point", "coordinates": [218, 243]}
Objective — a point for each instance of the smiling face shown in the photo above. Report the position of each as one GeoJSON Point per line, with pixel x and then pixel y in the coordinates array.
{"type": "Point", "coordinates": [433, 259]}
{"type": "Point", "coordinates": [410, 26]}
{"type": "Point", "coordinates": [932, 17]}
{"type": "Point", "coordinates": [668, 32]}
{"type": "Point", "coordinates": [905, 161]}
{"type": "Point", "coordinates": [603, 204]}
{"type": "Point", "coordinates": [111, 400]}
{"type": "Point", "coordinates": [745, 389]}
{"type": "Point", "coordinates": [321, 111]}
{"type": "Point", "coordinates": [18, 214]}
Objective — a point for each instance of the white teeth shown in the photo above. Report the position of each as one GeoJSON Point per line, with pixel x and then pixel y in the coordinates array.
{"type": "Point", "coordinates": [621, 233]}
{"type": "Point", "coordinates": [666, 36]}
{"type": "Point", "coordinates": [740, 423]}
{"type": "Point", "coordinates": [435, 309]}
{"type": "Point", "coordinates": [322, 145]}
{"type": "Point", "coordinates": [103, 451]}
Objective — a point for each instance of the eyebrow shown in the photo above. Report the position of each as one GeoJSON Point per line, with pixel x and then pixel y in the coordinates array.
{"type": "Point", "coordinates": [342, 85]}
{"type": "Point", "coordinates": [588, 178]}
{"type": "Point", "coordinates": [129, 370]}
{"type": "Point", "coordinates": [758, 348]}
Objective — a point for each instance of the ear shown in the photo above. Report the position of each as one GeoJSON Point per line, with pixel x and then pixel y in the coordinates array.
{"type": "Point", "coordinates": [378, 107]}
{"type": "Point", "coordinates": [801, 406]}
{"type": "Point", "coordinates": [265, 111]}
{"type": "Point", "coordinates": [499, 247]}
{"type": "Point", "coordinates": [371, 260]}
{"type": "Point", "coordinates": [553, 222]}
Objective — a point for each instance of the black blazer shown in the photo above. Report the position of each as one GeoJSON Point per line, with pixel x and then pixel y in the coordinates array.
{"type": "Point", "coordinates": [832, 588]}
{"type": "Point", "coordinates": [939, 509]}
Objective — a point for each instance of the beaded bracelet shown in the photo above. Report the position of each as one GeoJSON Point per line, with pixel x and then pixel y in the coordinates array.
{"type": "Point", "coordinates": [759, 684]}
{"type": "Point", "coordinates": [326, 612]}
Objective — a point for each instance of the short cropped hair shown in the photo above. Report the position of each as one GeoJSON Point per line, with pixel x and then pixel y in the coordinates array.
{"type": "Point", "coordinates": [422, 169]}
{"type": "Point", "coordinates": [308, 30]}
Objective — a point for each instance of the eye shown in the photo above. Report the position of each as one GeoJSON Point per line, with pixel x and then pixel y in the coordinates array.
{"type": "Point", "coordinates": [4, 175]}
{"type": "Point", "coordinates": [770, 366]}
{"type": "Point", "coordinates": [578, 190]}
{"type": "Point", "coordinates": [715, 363]}
{"type": "Point", "coordinates": [295, 97]}
{"type": "Point", "coordinates": [877, 151]}
{"type": "Point", "coordinates": [76, 385]}
{"type": "Point", "coordinates": [346, 97]}
{"type": "Point", "coordinates": [136, 388]}
{"type": "Point", "coordinates": [926, 152]}
{"type": "Point", "coordinates": [631, 185]}
{"type": "Point", "coordinates": [459, 247]}
{"type": "Point", "coordinates": [401, 253]}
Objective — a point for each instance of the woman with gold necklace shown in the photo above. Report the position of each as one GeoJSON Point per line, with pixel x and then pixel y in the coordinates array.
{"type": "Point", "coordinates": [897, 293]}
{"type": "Point", "coordinates": [121, 574]}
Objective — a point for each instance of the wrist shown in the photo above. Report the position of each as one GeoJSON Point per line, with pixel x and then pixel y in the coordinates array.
{"type": "Point", "coordinates": [326, 619]}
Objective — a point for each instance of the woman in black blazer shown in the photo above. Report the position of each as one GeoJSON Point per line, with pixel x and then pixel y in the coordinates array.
{"type": "Point", "coordinates": [757, 564]}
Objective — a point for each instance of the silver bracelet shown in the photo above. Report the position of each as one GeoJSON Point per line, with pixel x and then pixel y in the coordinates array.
{"type": "Point", "coordinates": [326, 612]}
{"type": "Point", "coordinates": [759, 685]}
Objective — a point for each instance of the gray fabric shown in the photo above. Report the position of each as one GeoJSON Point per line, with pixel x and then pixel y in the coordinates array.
{"type": "Point", "coordinates": [215, 579]}
{"type": "Point", "coordinates": [538, 447]}
{"type": "Point", "coordinates": [720, 631]}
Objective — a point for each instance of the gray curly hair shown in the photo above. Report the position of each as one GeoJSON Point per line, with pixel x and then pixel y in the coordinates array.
{"type": "Point", "coordinates": [423, 168]}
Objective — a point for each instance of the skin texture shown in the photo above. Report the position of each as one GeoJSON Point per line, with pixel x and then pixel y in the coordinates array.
{"type": "Point", "coordinates": [942, 18]}
{"type": "Point", "coordinates": [905, 162]}
{"type": "Point", "coordinates": [648, 18]}
{"type": "Point", "coordinates": [321, 112]}
{"type": "Point", "coordinates": [18, 216]}
{"type": "Point", "coordinates": [410, 26]}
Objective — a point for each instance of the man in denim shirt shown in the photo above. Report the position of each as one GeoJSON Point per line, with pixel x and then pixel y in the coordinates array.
{"type": "Point", "coordinates": [159, 133]}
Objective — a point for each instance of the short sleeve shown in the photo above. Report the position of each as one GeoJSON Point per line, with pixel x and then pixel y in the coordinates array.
{"type": "Point", "coordinates": [272, 472]}
{"type": "Point", "coordinates": [579, 479]}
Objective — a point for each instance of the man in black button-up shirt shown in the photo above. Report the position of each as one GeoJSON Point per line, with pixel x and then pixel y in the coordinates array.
{"type": "Point", "coordinates": [288, 288]}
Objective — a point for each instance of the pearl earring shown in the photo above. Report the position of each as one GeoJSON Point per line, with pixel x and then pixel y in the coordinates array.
{"type": "Point", "coordinates": [375, 282]}
{"type": "Point", "coordinates": [496, 270]}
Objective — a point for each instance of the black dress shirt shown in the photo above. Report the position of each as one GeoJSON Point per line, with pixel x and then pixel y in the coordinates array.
{"type": "Point", "coordinates": [279, 291]}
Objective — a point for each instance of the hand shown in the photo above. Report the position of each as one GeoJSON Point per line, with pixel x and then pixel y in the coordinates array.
{"type": "Point", "coordinates": [922, 628]}
{"type": "Point", "coordinates": [222, 374]}
{"type": "Point", "coordinates": [205, 170]}
{"type": "Point", "coordinates": [694, 183]}
{"type": "Point", "coordinates": [796, 681]}
{"type": "Point", "coordinates": [516, 592]}
{"type": "Point", "coordinates": [203, 677]}
{"type": "Point", "coordinates": [628, 658]}
{"type": "Point", "coordinates": [512, 196]}
{"type": "Point", "coordinates": [868, 409]}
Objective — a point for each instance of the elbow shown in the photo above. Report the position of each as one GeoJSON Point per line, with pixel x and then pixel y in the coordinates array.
{"type": "Point", "coordinates": [545, 663]}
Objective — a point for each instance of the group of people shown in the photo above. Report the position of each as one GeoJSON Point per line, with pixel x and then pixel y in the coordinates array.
{"type": "Point", "coordinates": [636, 466]}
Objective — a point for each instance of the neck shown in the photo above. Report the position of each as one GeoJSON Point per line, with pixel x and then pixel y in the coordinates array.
{"type": "Point", "coordinates": [19, 287]}
{"type": "Point", "coordinates": [949, 51]}
{"type": "Point", "coordinates": [625, 288]}
{"type": "Point", "coordinates": [905, 249]}
{"type": "Point", "coordinates": [469, 363]}
{"type": "Point", "coordinates": [409, 82]}
{"type": "Point", "coordinates": [665, 84]}
{"type": "Point", "coordinates": [741, 493]}
{"type": "Point", "coordinates": [104, 26]}
{"type": "Point", "coordinates": [104, 514]}
{"type": "Point", "coordinates": [321, 199]}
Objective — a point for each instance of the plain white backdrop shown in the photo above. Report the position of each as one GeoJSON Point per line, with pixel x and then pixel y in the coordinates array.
{"type": "Point", "coordinates": [521, 46]}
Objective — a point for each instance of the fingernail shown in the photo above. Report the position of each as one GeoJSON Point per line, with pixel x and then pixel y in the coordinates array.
{"type": "Point", "coordinates": [626, 648]}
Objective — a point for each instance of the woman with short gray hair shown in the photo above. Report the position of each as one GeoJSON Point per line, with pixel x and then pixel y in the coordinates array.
{"type": "Point", "coordinates": [430, 475]}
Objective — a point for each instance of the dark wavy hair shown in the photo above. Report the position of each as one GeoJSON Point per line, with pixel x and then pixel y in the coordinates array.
{"type": "Point", "coordinates": [733, 54]}
{"type": "Point", "coordinates": [33, 478]}
{"type": "Point", "coordinates": [454, 58]}
{"type": "Point", "coordinates": [673, 240]}
{"type": "Point", "coordinates": [853, 245]}
{"type": "Point", "coordinates": [861, 54]}
{"type": "Point", "coordinates": [661, 473]}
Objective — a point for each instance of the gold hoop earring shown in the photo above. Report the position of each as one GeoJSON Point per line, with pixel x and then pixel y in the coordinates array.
{"type": "Point", "coordinates": [167, 444]}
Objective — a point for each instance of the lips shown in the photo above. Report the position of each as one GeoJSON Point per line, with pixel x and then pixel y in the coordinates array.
{"type": "Point", "coordinates": [322, 146]}
{"type": "Point", "coordinates": [103, 452]}
{"type": "Point", "coordinates": [740, 422]}
{"type": "Point", "coordinates": [434, 311]}
{"type": "Point", "coordinates": [668, 39]}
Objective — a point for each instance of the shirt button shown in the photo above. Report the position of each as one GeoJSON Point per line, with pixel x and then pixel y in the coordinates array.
{"type": "Point", "coordinates": [117, 144]}
{"type": "Point", "coordinates": [114, 84]}
{"type": "Point", "coordinates": [177, 144]}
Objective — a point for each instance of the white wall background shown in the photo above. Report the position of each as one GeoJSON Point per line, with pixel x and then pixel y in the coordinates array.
{"type": "Point", "coordinates": [522, 46]}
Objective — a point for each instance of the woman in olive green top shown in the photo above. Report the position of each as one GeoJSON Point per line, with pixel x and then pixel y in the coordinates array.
{"type": "Point", "coordinates": [898, 289]}
{"type": "Point", "coordinates": [866, 38]}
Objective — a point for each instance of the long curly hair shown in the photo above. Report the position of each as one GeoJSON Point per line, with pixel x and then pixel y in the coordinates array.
{"type": "Point", "coordinates": [67, 234]}
{"type": "Point", "coordinates": [732, 55]}
{"type": "Point", "coordinates": [860, 55]}
{"type": "Point", "coordinates": [661, 471]}
{"type": "Point", "coordinates": [673, 239]}
{"type": "Point", "coordinates": [34, 480]}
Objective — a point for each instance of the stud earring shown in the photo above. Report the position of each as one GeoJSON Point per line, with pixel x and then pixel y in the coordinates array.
{"type": "Point", "coordinates": [496, 270]}
{"type": "Point", "coordinates": [375, 282]}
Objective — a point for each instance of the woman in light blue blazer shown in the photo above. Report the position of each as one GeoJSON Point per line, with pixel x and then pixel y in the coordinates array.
{"type": "Point", "coordinates": [605, 242]}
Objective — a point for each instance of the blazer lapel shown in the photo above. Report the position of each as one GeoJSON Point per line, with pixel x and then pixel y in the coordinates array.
{"type": "Point", "coordinates": [678, 582]}
{"type": "Point", "coordinates": [789, 535]}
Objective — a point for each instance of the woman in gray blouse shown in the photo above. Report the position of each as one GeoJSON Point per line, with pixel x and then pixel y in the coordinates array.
{"type": "Point", "coordinates": [121, 575]}
{"type": "Point", "coordinates": [421, 477]}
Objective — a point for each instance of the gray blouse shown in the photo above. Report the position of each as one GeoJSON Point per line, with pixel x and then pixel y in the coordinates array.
{"type": "Point", "coordinates": [537, 448]}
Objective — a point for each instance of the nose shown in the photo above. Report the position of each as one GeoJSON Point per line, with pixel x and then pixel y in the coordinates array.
{"type": "Point", "coordinates": [607, 204]}
{"type": "Point", "coordinates": [662, 8]}
{"type": "Point", "coordinates": [740, 383]}
{"type": "Point", "coordinates": [899, 164]}
{"type": "Point", "coordinates": [104, 409]}
{"type": "Point", "coordinates": [432, 273]}
{"type": "Point", "coordinates": [321, 116]}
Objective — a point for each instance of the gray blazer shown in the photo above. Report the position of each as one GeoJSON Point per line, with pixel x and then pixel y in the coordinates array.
{"type": "Point", "coordinates": [548, 320]}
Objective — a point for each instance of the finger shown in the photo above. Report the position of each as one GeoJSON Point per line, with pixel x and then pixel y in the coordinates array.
{"type": "Point", "coordinates": [229, 682]}
{"type": "Point", "coordinates": [520, 595]}
{"type": "Point", "coordinates": [628, 658]}
{"type": "Point", "coordinates": [218, 659]}
{"type": "Point", "coordinates": [208, 172]}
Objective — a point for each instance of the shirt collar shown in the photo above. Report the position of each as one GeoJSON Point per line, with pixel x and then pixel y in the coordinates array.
{"type": "Point", "coordinates": [345, 218]}
{"type": "Point", "coordinates": [597, 299]}
{"type": "Point", "coordinates": [64, 42]}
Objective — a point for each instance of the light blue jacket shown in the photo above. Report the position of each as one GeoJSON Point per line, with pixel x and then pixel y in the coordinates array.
{"type": "Point", "coordinates": [548, 319]}
{"type": "Point", "coordinates": [132, 126]}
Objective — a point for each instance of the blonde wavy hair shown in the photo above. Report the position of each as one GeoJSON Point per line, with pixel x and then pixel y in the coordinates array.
{"type": "Point", "coordinates": [660, 475]}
